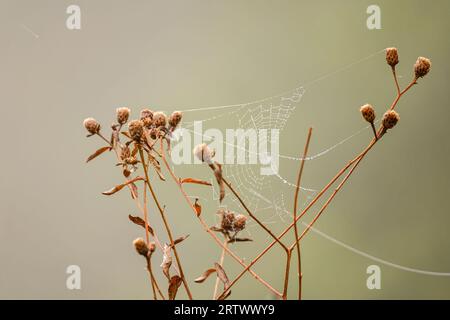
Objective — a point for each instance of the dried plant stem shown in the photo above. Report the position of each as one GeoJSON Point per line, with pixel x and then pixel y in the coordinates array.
{"type": "Point", "coordinates": [357, 160]}
{"type": "Point", "coordinates": [166, 224]}
{"type": "Point", "coordinates": [221, 261]}
{"type": "Point", "coordinates": [297, 190]}
{"type": "Point", "coordinates": [154, 283]}
{"type": "Point", "coordinates": [286, 274]}
{"type": "Point", "coordinates": [396, 80]}
{"type": "Point", "coordinates": [250, 213]}
{"type": "Point", "coordinates": [325, 189]}
{"type": "Point", "coordinates": [211, 233]}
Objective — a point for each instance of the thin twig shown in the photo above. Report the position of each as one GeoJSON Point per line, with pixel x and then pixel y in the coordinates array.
{"type": "Point", "coordinates": [166, 224]}
{"type": "Point", "coordinates": [297, 189]}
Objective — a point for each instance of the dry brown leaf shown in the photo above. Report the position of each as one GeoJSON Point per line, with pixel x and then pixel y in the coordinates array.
{"type": "Point", "coordinates": [196, 181]}
{"type": "Point", "coordinates": [177, 241]}
{"type": "Point", "coordinates": [222, 275]}
{"type": "Point", "coordinates": [239, 240]}
{"type": "Point", "coordinates": [218, 175]}
{"type": "Point", "coordinates": [167, 260]}
{"type": "Point", "coordinates": [140, 222]}
{"type": "Point", "coordinates": [198, 208]}
{"type": "Point", "coordinates": [126, 134]}
{"type": "Point", "coordinates": [157, 166]}
{"type": "Point", "coordinates": [120, 186]}
{"type": "Point", "coordinates": [174, 284]}
{"type": "Point", "coordinates": [205, 275]}
{"type": "Point", "coordinates": [97, 153]}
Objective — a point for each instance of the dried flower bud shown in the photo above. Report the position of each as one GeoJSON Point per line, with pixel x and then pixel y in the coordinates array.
{"type": "Point", "coordinates": [154, 132]}
{"type": "Point", "coordinates": [152, 247]}
{"type": "Point", "coordinates": [203, 153]}
{"type": "Point", "coordinates": [368, 113]}
{"type": "Point", "coordinates": [122, 115]}
{"type": "Point", "coordinates": [390, 119]}
{"type": "Point", "coordinates": [146, 113]}
{"type": "Point", "coordinates": [141, 247]}
{"type": "Point", "coordinates": [91, 125]}
{"type": "Point", "coordinates": [135, 129]}
{"type": "Point", "coordinates": [147, 122]}
{"type": "Point", "coordinates": [175, 118]}
{"type": "Point", "coordinates": [391, 56]}
{"type": "Point", "coordinates": [227, 220]}
{"type": "Point", "coordinates": [125, 153]}
{"type": "Point", "coordinates": [239, 222]}
{"type": "Point", "coordinates": [422, 67]}
{"type": "Point", "coordinates": [159, 119]}
{"type": "Point", "coordinates": [131, 161]}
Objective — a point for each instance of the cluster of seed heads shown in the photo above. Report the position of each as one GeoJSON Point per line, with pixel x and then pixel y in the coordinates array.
{"type": "Point", "coordinates": [391, 117]}
{"type": "Point", "coordinates": [156, 122]}
{"type": "Point", "coordinates": [231, 222]}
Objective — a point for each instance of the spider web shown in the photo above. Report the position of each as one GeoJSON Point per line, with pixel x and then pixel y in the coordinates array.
{"type": "Point", "coordinates": [264, 193]}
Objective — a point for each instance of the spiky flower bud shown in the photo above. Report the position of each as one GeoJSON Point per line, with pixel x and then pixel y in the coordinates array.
{"type": "Point", "coordinates": [141, 247]}
{"type": "Point", "coordinates": [159, 119]}
{"type": "Point", "coordinates": [125, 153]}
{"type": "Point", "coordinates": [227, 221]}
{"type": "Point", "coordinates": [122, 115]}
{"type": "Point", "coordinates": [368, 113]}
{"type": "Point", "coordinates": [239, 222]}
{"type": "Point", "coordinates": [422, 67]}
{"type": "Point", "coordinates": [146, 113]}
{"type": "Point", "coordinates": [147, 118]}
{"type": "Point", "coordinates": [135, 129]}
{"type": "Point", "coordinates": [91, 125]}
{"type": "Point", "coordinates": [175, 118]}
{"type": "Point", "coordinates": [203, 153]}
{"type": "Point", "coordinates": [391, 56]}
{"type": "Point", "coordinates": [390, 119]}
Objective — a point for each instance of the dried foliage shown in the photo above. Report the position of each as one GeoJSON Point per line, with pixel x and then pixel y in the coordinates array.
{"type": "Point", "coordinates": [147, 140]}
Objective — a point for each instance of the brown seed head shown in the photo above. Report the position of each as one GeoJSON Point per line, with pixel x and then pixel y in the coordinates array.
{"type": "Point", "coordinates": [422, 67]}
{"type": "Point", "coordinates": [91, 125]}
{"type": "Point", "coordinates": [122, 115]}
{"type": "Point", "coordinates": [227, 220]}
{"type": "Point", "coordinates": [239, 222]}
{"type": "Point", "coordinates": [135, 129]}
{"type": "Point", "coordinates": [146, 113]}
{"type": "Point", "coordinates": [125, 153]}
{"type": "Point", "coordinates": [391, 56]}
{"type": "Point", "coordinates": [390, 119]}
{"type": "Point", "coordinates": [368, 113]}
{"type": "Point", "coordinates": [203, 153]}
{"type": "Point", "coordinates": [141, 247]}
{"type": "Point", "coordinates": [175, 118]}
{"type": "Point", "coordinates": [159, 119]}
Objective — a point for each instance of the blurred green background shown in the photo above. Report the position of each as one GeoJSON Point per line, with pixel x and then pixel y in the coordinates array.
{"type": "Point", "coordinates": [188, 54]}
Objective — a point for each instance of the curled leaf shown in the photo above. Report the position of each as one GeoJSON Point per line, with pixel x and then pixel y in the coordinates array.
{"type": "Point", "coordinates": [174, 284]}
{"type": "Point", "coordinates": [197, 207]}
{"type": "Point", "coordinates": [196, 181]}
{"type": "Point", "coordinates": [167, 260]}
{"type": "Point", "coordinates": [157, 166]}
{"type": "Point", "coordinates": [205, 275]}
{"type": "Point", "coordinates": [177, 241]}
{"type": "Point", "coordinates": [218, 175]}
{"type": "Point", "coordinates": [120, 186]}
{"type": "Point", "coordinates": [97, 153]}
{"type": "Point", "coordinates": [222, 275]}
{"type": "Point", "coordinates": [140, 222]}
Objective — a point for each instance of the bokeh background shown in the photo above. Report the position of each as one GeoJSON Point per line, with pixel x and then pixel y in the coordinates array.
{"type": "Point", "coordinates": [188, 54]}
